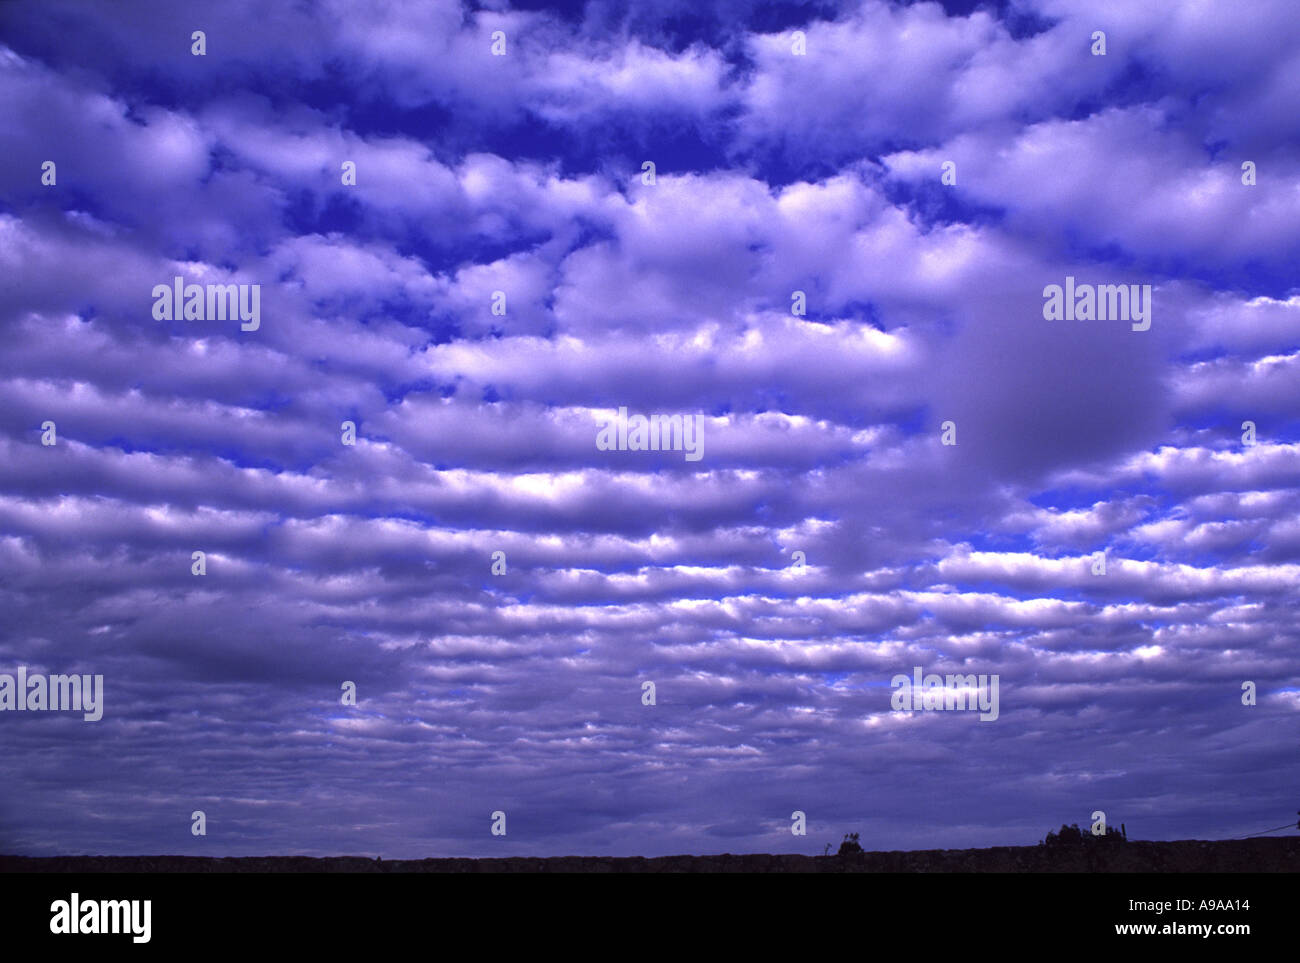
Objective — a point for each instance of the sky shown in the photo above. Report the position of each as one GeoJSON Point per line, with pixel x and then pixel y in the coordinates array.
{"type": "Point", "coordinates": [796, 148]}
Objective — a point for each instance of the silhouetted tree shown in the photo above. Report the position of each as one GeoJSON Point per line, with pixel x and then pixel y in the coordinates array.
{"type": "Point", "coordinates": [850, 845]}
{"type": "Point", "coordinates": [1072, 835]}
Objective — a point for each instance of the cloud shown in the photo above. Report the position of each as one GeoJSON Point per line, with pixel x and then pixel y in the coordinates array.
{"type": "Point", "coordinates": [781, 180]}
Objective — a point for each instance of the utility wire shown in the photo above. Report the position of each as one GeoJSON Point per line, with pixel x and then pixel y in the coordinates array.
{"type": "Point", "coordinates": [1267, 831]}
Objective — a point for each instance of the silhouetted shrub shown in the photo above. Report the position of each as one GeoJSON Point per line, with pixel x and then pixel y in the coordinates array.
{"type": "Point", "coordinates": [1072, 835]}
{"type": "Point", "coordinates": [850, 845]}
{"type": "Point", "coordinates": [1068, 836]}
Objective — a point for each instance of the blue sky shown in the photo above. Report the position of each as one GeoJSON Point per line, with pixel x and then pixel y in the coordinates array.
{"type": "Point", "coordinates": [775, 173]}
